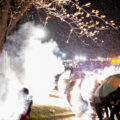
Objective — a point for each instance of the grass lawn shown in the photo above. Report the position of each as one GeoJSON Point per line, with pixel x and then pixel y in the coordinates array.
{"type": "Point", "coordinates": [47, 112]}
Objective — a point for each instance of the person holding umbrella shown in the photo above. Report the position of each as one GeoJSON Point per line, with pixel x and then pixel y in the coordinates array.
{"type": "Point", "coordinates": [107, 96]}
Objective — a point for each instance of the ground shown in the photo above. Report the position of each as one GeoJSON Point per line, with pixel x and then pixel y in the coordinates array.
{"type": "Point", "coordinates": [47, 112]}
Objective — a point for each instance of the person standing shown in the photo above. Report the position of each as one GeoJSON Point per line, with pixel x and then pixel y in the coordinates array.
{"type": "Point", "coordinates": [28, 104]}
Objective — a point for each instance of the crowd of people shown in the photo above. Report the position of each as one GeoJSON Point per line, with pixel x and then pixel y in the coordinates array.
{"type": "Point", "coordinates": [109, 103]}
{"type": "Point", "coordinates": [109, 106]}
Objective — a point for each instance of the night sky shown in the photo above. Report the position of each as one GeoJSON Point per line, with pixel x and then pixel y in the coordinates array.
{"type": "Point", "coordinates": [59, 32]}
{"type": "Point", "coordinates": [111, 46]}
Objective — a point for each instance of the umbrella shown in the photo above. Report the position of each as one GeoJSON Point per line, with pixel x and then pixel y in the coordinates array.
{"type": "Point", "coordinates": [109, 85]}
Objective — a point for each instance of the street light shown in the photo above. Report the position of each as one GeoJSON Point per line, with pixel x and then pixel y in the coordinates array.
{"type": "Point", "coordinates": [63, 55]}
{"type": "Point", "coordinates": [98, 58]}
{"type": "Point", "coordinates": [76, 57]}
{"type": "Point", "coordinates": [83, 58]}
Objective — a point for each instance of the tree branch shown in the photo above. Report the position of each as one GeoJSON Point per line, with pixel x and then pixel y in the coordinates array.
{"type": "Point", "coordinates": [4, 11]}
{"type": "Point", "coordinates": [19, 14]}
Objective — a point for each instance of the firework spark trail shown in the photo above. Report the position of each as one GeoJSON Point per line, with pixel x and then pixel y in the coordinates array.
{"type": "Point", "coordinates": [86, 91]}
{"type": "Point", "coordinates": [91, 79]}
{"type": "Point", "coordinates": [63, 81]}
{"type": "Point", "coordinates": [90, 82]}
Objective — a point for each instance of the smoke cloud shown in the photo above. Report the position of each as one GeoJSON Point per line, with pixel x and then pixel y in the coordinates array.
{"type": "Point", "coordinates": [11, 103]}
{"type": "Point", "coordinates": [32, 64]}
{"type": "Point", "coordinates": [41, 66]}
{"type": "Point", "coordinates": [35, 66]}
{"type": "Point", "coordinates": [33, 61]}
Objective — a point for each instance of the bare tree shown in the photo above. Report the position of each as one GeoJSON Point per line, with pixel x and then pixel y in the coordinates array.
{"type": "Point", "coordinates": [81, 20]}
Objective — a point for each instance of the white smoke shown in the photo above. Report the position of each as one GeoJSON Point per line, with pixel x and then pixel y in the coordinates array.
{"type": "Point", "coordinates": [34, 60]}
{"type": "Point", "coordinates": [32, 65]}
{"type": "Point", "coordinates": [11, 103]}
{"type": "Point", "coordinates": [37, 65]}
{"type": "Point", "coordinates": [41, 66]}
